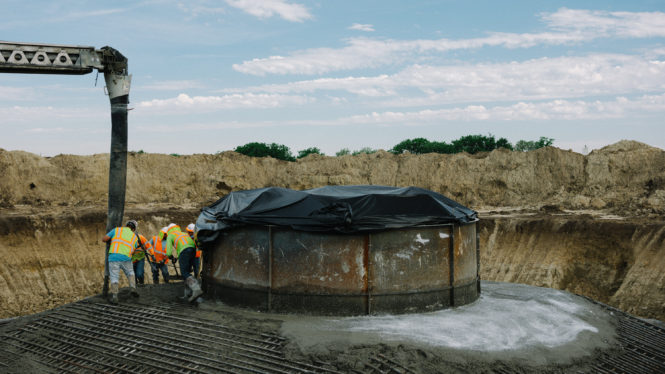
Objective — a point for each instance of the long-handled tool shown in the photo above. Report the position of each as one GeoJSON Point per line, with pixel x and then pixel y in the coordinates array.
{"type": "Point", "coordinates": [151, 259]}
{"type": "Point", "coordinates": [176, 270]}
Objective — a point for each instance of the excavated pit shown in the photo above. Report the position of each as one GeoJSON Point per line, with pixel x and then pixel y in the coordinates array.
{"type": "Point", "coordinates": [592, 225]}
{"type": "Point", "coordinates": [615, 261]}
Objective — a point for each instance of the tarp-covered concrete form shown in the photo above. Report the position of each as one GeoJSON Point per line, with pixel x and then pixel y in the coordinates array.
{"type": "Point", "coordinates": [345, 209]}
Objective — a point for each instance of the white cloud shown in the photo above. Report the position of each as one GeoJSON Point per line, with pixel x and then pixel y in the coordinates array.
{"type": "Point", "coordinates": [523, 111]}
{"type": "Point", "coordinates": [16, 93]}
{"type": "Point", "coordinates": [205, 126]}
{"type": "Point", "coordinates": [537, 79]}
{"type": "Point", "coordinates": [196, 10]}
{"type": "Point", "coordinates": [361, 27]}
{"type": "Point", "coordinates": [604, 23]}
{"type": "Point", "coordinates": [555, 110]}
{"type": "Point", "coordinates": [91, 14]}
{"type": "Point", "coordinates": [568, 26]}
{"type": "Point", "coordinates": [269, 8]}
{"type": "Point", "coordinates": [45, 130]}
{"type": "Point", "coordinates": [185, 103]}
{"type": "Point", "coordinates": [42, 115]}
{"type": "Point", "coordinates": [171, 85]}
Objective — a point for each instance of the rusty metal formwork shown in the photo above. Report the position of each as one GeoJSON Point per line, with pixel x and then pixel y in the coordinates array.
{"type": "Point", "coordinates": [393, 271]}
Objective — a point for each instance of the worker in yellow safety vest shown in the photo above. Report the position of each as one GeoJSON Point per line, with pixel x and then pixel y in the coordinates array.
{"type": "Point", "coordinates": [158, 251]}
{"type": "Point", "coordinates": [123, 243]}
{"type": "Point", "coordinates": [197, 258]}
{"type": "Point", "coordinates": [138, 259]}
{"type": "Point", "coordinates": [183, 249]}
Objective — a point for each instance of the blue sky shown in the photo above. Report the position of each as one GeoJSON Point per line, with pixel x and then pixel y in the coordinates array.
{"type": "Point", "coordinates": [210, 75]}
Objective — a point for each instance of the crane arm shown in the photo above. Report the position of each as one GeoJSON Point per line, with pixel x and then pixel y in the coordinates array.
{"type": "Point", "coordinates": [36, 58]}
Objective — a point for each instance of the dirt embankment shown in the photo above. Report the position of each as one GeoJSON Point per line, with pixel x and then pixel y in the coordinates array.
{"type": "Point", "coordinates": [53, 212]}
{"type": "Point", "coordinates": [618, 262]}
{"type": "Point", "coordinates": [50, 259]}
{"type": "Point", "coordinates": [627, 177]}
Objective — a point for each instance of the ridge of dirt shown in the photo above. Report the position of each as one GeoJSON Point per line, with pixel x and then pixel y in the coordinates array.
{"type": "Point", "coordinates": [627, 178]}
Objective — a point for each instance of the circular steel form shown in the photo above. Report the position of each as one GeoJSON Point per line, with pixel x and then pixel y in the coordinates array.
{"type": "Point", "coordinates": [394, 271]}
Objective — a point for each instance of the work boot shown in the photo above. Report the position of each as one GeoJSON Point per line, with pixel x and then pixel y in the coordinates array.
{"type": "Point", "coordinates": [132, 285]}
{"type": "Point", "coordinates": [196, 289]}
{"type": "Point", "coordinates": [114, 294]}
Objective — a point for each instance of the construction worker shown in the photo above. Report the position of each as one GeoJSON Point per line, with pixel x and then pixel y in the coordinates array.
{"type": "Point", "coordinates": [138, 259]}
{"type": "Point", "coordinates": [123, 242]}
{"type": "Point", "coordinates": [183, 249]}
{"type": "Point", "coordinates": [158, 253]}
{"type": "Point", "coordinates": [197, 258]}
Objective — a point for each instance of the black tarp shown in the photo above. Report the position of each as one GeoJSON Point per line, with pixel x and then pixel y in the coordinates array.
{"type": "Point", "coordinates": [344, 209]}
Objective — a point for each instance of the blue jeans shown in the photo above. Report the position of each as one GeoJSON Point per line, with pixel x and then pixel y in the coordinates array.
{"type": "Point", "coordinates": [186, 260]}
{"type": "Point", "coordinates": [196, 265]}
{"type": "Point", "coordinates": [156, 268]}
{"type": "Point", "coordinates": [139, 270]}
{"type": "Point", "coordinates": [116, 266]}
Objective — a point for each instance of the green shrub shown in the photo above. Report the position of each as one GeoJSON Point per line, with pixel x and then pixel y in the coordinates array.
{"type": "Point", "coordinates": [469, 143]}
{"type": "Point", "coordinates": [274, 150]}
{"type": "Point", "coordinates": [365, 150]}
{"type": "Point", "coordinates": [309, 151]}
{"type": "Point", "coordinates": [530, 145]}
{"type": "Point", "coordinates": [480, 143]}
{"type": "Point", "coordinates": [343, 152]}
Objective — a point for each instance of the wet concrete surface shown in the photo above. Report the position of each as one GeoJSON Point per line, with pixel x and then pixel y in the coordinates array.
{"type": "Point", "coordinates": [511, 328]}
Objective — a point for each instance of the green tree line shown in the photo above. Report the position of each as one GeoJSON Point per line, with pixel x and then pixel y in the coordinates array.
{"type": "Point", "coordinates": [469, 143]}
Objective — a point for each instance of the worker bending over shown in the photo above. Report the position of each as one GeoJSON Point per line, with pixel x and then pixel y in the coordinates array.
{"type": "Point", "coordinates": [160, 257]}
{"type": "Point", "coordinates": [123, 242]}
{"type": "Point", "coordinates": [197, 259]}
{"type": "Point", "coordinates": [183, 249]}
{"type": "Point", "coordinates": [138, 259]}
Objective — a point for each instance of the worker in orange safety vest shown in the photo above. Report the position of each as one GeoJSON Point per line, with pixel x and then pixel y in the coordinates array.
{"type": "Point", "coordinates": [123, 242]}
{"type": "Point", "coordinates": [158, 251]}
{"type": "Point", "coordinates": [138, 259]}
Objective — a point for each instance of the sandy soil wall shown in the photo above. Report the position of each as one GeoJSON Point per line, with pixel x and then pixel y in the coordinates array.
{"type": "Point", "coordinates": [617, 262]}
{"type": "Point", "coordinates": [53, 259]}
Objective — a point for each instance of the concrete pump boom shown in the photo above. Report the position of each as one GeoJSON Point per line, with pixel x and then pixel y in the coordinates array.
{"type": "Point", "coordinates": [33, 58]}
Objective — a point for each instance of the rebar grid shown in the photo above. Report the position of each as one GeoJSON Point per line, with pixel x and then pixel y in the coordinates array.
{"type": "Point", "coordinates": [89, 337]}
{"type": "Point", "coordinates": [93, 337]}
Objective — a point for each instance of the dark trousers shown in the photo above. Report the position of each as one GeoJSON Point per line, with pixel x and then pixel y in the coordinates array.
{"type": "Point", "coordinates": [186, 260]}
{"type": "Point", "coordinates": [196, 265]}
{"type": "Point", "coordinates": [156, 268]}
{"type": "Point", "coordinates": [139, 270]}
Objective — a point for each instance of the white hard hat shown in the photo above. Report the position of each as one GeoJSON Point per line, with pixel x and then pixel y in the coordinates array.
{"type": "Point", "coordinates": [191, 227]}
{"type": "Point", "coordinates": [164, 230]}
{"type": "Point", "coordinates": [132, 224]}
{"type": "Point", "coordinates": [170, 225]}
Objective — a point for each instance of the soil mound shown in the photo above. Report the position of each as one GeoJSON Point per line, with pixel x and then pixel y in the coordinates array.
{"type": "Point", "coordinates": [627, 177]}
